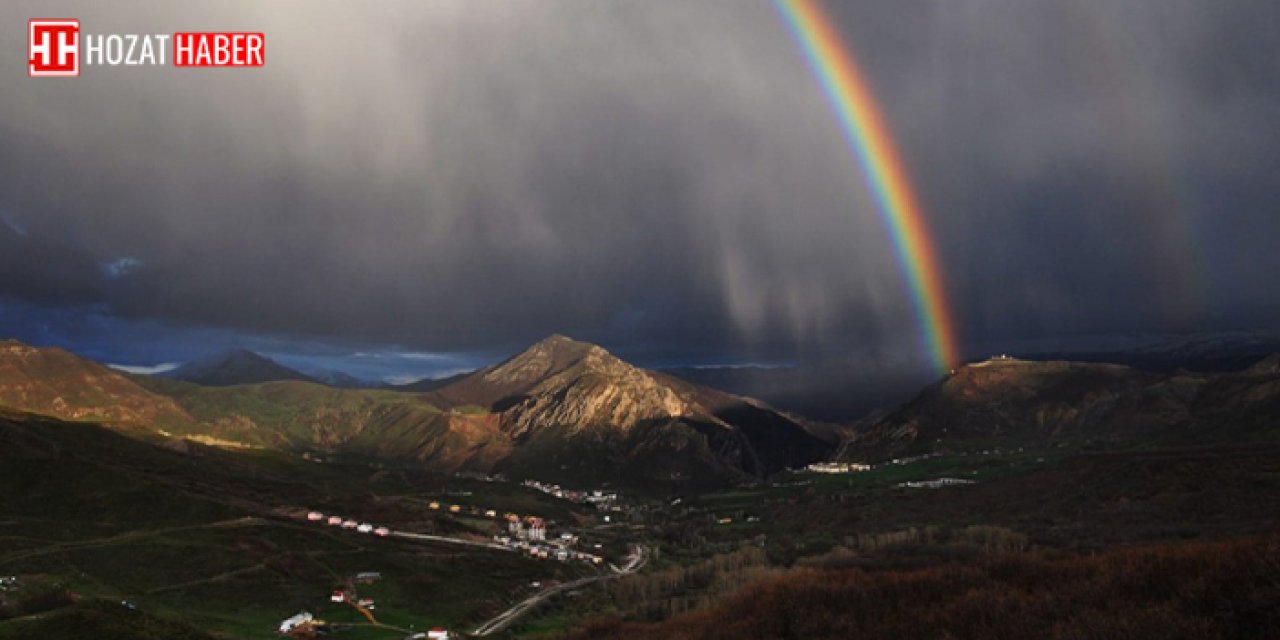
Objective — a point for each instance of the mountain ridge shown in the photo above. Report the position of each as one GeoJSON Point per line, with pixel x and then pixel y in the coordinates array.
{"type": "Point", "coordinates": [55, 382]}
{"type": "Point", "coordinates": [559, 410]}
{"type": "Point", "coordinates": [1061, 403]}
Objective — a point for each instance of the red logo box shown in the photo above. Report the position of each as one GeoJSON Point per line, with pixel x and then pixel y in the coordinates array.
{"type": "Point", "coordinates": [219, 49]}
{"type": "Point", "coordinates": [53, 47]}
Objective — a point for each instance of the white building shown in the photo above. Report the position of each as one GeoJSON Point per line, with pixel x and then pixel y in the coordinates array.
{"type": "Point", "coordinates": [289, 624]}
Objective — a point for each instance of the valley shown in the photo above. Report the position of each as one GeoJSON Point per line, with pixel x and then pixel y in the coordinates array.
{"type": "Point", "coordinates": [565, 492]}
{"type": "Point", "coordinates": [642, 319]}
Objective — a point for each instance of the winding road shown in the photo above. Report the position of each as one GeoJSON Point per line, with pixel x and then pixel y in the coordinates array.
{"type": "Point", "coordinates": [639, 555]}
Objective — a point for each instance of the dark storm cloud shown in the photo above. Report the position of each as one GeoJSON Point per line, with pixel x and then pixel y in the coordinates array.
{"type": "Point", "coordinates": [663, 177]}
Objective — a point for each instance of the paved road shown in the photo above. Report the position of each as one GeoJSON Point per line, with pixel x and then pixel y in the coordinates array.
{"type": "Point", "coordinates": [430, 538]}
{"type": "Point", "coordinates": [635, 561]}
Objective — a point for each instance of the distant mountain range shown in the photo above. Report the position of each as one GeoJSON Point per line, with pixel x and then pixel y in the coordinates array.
{"type": "Point", "coordinates": [1008, 402]}
{"type": "Point", "coordinates": [340, 379]}
{"type": "Point", "coordinates": [1228, 351]}
{"type": "Point", "coordinates": [562, 410]}
{"type": "Point", "coordinates": [569, 411]}
{"type": "Point", "coordinates": [830, 391]}
{"type": "Point", "coordinates": [843, 391]}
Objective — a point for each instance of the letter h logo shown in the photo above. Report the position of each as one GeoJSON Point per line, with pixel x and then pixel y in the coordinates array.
{"type": "Point", "coordinates": [53, 47]}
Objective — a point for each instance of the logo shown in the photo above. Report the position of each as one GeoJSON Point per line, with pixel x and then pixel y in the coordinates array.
{"type": "Point", "coordinates": [222, 49]}
{"type": "Point", "coordinates": [53, 47]}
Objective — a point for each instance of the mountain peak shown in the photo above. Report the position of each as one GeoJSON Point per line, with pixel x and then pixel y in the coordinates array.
{"type": "Point", "coordinates": [232, 367]}
{"type": "Point", "coordinates": [551, 356]}
{"type": "Point", "coordinates": [564, 345]}
{"type": "Point", "coordinates": [558, 338]}
{"type": "Point", "coordinates": [563, 381]}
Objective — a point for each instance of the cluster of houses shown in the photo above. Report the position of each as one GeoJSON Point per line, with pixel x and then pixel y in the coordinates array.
{"type": "Point", "coordinates": [526, 528]}
{"type": "Point", "coordinates": [340, 596]}
{"type": "Point", "coordinates": [933, 484]}
{"type": "Point", "coordinates": [837, 467]}
{"type": "Point", "coordinates": [603, 500]}
{"type": "Point", "coordinates": [435, 505]}
{"type": "Point", "coordinates": [348, 524]}
{"type": "Point", "coordinates": [557, 549]}
{"type": "Point", "coordinates": [349, 595]}
{"type": "Point", "coordinates": [529, 534]}
{"type": "Point", "coordinates": [8, 582]}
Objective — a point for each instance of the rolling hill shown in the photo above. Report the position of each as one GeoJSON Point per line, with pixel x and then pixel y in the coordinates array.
{"type": "Point", "coordinates": [309, 417]}
{"type": "Point", "coordinates": [1016, 402]}
{"type": "Point", "coordinates": [54, 382]}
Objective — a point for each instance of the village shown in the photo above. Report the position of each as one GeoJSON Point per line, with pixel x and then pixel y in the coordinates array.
{"type": "Point", "coordinates": [525, 534]}
{"type": "Point", "coordinates": [837, 467]}
{"type": "Point", "coordinates": [603, 500]}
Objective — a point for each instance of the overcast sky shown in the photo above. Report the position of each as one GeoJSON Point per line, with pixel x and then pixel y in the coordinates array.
{"type": "Point", "coordinates": [664, 178]}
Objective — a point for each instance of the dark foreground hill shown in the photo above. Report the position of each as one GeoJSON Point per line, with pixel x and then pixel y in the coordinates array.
{"type": "Point", "coordinates": [201, 540]}
{"type": "Point", "coordinates": [99, 620]}
{"type": "Point", "coordinates": [1225, 590]}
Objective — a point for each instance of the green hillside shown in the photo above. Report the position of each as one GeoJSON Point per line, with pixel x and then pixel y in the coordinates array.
{"type": "Point", "coordinates": [213, 539]}
{"type": "Point", "coordinates": [302, 416]}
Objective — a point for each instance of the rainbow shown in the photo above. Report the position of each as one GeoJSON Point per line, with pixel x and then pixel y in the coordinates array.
{"type": "Point", "coordinates": [869, 138]}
